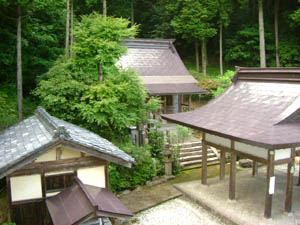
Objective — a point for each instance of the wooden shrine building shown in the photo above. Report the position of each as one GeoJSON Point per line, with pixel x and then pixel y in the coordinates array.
{"type": "Point", "coordinates": [162, 71]}
{"type": "Point", "coordinates": [57, 173]}
{"type": "Point", "coordinates": [257, 117]}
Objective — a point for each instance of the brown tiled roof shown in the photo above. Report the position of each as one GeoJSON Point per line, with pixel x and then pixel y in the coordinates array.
{"type": "Point", "coordinates": [261, 107]}
{"type": "Point", "coordinates": [159, 59]}
{"type": "Point", "coordinates": [82, 202]}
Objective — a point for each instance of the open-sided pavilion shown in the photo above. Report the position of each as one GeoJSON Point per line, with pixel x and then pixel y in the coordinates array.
{"type": "Point", "coordinates": [257, 117]}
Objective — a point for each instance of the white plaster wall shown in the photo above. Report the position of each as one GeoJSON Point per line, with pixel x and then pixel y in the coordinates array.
{"type": "Point", "coordinates": [69, 153]}
{"type": "Point", "coordinates": [49, 156]}
{"type": "Point", "coordinates": [218, 140]}
{"type": "Point", "coordinates": [26, 187]}
{"type": "Point", "coordinates": [251, 150]}
{"type": "Point", "coordinates": [282, 154]}
{"type": "Point", "coordinates": [92, 176]}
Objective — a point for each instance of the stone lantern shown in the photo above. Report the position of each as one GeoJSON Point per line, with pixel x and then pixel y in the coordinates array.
{"type": "Point", "coordinates": [168, 159]}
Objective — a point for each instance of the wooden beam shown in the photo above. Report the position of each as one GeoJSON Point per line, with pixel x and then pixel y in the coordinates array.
{"type": "Point", "coordinates": [222, 165]}
{"type": "Point", "coordinates": [106, 176]}
{"type": "Point", "coordinates": [9, 199]}
{"type": "Point", "coordinates": [58, 153]}
{"type": "Point", "coordinates": [289, 184]}
{"type": "Point", "coordinates": [165, 104]}
{"type": "Point", "coordinates": [298, 177]}
{"type": "Point", "coordinates": [61, 165]}
{"type": "Point", "coordinates": [270, 173]}
{"type": "Point", "coordinates": [190, 102]}
{"type": "Point", "coordinates": [232, 176]}
{"type": "Point", "coordinates": [254, 168]}
{"type": "Point", "coordinates": [242, 154]}
{"type": "Point", "coordinates": [204, 161]}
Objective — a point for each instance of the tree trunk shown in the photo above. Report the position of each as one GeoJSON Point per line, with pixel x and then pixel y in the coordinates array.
{"type": "Point", "coordinates": [19, 65]}
{"type": "Point", "coordinates": [197, 55]}
{"type": "Point", "coordinates": [276, 7]}
{"type": "Point", "coordinates": [100, 72]}
{"type": "Point", "coordinates": [261, 35]}
{"type": "Point", "coordinates": [204, 57]}
{"type": "Point", "coordinates": [104, 9]}
{"type": "Point", "coordinates": [72, 27]}
{"type": "Point", "coordinates": [67, 28]}
{"type": "Point", "coordinates": [132, 13]}
{"type": "Point", "coordinates": [221, 49]}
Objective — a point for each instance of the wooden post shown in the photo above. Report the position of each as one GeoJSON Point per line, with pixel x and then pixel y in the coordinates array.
{"type": "Point", "coordinates": [299, 177]}
{"type": "Point", "coordinates": [165, 104]}
{"type": "Point", "coordinates": [9, 197]}
{"type": "Point", "coordinates": [190, 102]}
{"type": "Point", "coordinates": [254, 168]}
{"type": "Point", "coordinates": [204, 161]}
{"type": "Point", "coordinates": [232, 176]}
{"type": "Point", "coordinates": [289, 184]}
{"type": "Point", "coordinates": [270, 173]}
{"type": "Point", "coordinates": [106, 175]}
{"type": "Point", "coordinates": [222, 165]}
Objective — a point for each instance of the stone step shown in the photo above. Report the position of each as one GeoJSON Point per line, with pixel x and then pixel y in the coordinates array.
{"type": "Point", "coordinates": [191, 149]}
{"type": "Point", "coordinates": [188, 144]}
{"type": "Point", "coordinates": [189, 163]}
{"type": "Point", "coordinates": [196, 157]}
{"type": "Point", "coordinates": [199, 165]}
{"type": "Point", "coordinates": [184, 154]}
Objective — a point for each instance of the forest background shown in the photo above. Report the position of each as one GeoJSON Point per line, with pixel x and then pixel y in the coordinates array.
{"type": "Point", "coordinates": [219, 33]}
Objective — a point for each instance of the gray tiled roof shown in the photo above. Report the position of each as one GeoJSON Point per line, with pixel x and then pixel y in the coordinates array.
{"type": "Point", "coordinates": [261, 107]}
{"type": "Point", "coordinates": [159, 59]}
{"type": "Point", "coordinates": [38, 131]}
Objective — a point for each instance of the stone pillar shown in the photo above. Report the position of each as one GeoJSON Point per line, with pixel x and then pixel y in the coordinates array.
{"type": "Point", "coordinates": [175, 107]}
{"type": "Point", "coordinates": [168, 159]}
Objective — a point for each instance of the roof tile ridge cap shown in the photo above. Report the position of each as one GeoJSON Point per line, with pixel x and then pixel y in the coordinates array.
{"type": "Point", "coordinates": [236, 75]}
{"type": "Point", "coordinates": [289, 113]}
{"type": "Point", "coordinates": [55, 130]}
{"type": "Point", "coordinates": [86, 192]}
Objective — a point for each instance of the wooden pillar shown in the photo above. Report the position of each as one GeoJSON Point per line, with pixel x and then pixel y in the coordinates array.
{"type": "Point", "coordinates": [222, 165]}
{"type": "Point", "coordinates": [232, 176]}
{"type": "Point", "coordinates": [270, 173]}
{"type": "Point", "coordinates": [204, 161]}
{"type": "Point", "coordinates": [299, 177]}
{"type": "Point", "coordinates": [190, 102]}
{"type": "Point", "coordinates": [289, 183]}
{"type": "Point", "coordinates": [165, 104]}
{"type": "Point", "coordinates": [106, 175]}
{"type": "Point", "coordinates": [254, 168]}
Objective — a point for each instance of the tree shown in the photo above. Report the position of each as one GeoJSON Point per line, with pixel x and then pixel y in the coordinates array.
{"type": "Point", "coordinates": [276, 8]}
{"type": "Point", "coordinates": [19, 65]}
{"type": "Point", "coordinates": [225, 8]}
{"type": "Point", "coordinates": [262, 51]}
{"type": "Point", "coordinates": [194, 21]}
{"type": "Point", "coordinates": [71, 91]}
{"type": "Point", "coordinates": [67, 43]}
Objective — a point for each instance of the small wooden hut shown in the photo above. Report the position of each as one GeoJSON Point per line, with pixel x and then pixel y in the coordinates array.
{"type": "Point", "coordinates": [162, 71]}
{"type": "Point", "coordinates": [257, 117]}
{"type": "Point", "coordinates": [41, 156]}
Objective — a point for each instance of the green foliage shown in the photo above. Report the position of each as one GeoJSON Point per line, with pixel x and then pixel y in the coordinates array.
{"type": "Point", "coordinates": [180, 135]}
{"type": "Point", "coordinates": [224, 83]}
{"type": "Point", "coordinates": [8, 105]}
{"type": "Point", "coordinates": [194, 19]}
{"type": "Point", "coordinates": [98, 39]}
{"type": "Point", "coordinates": [156, 142]}
{"type": "Point", "coordinates": [122, 178]}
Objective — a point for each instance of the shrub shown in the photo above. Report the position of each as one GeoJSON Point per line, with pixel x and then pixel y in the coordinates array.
{"type": "Point", "coordinates": [224, 83]}
{"type": "Point", "coordinates": [122, 178]}
{"type": "Point", "coordinates": [156, 142]}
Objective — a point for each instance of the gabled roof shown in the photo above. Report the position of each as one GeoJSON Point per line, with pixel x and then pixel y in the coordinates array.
{"type": "Point", "coordinates": [81, 203]}
{"type": "Point", "coordinates": [25, 141]}
{"type": "Point", "coordinates": [158, 64]}
{"type": "Point", "coordinates": [261, 107]}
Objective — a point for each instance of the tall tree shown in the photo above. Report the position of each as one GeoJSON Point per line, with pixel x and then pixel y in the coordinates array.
{"type": "Point", "coordinates": [262, 50]}
{"type": "Point", "coordinates": [195, 22]}
{"type": "Point", "coordinates": [72, 27]}
{"type": "Point", "coordinates": [67, 43]}
{"type": "Point", "coordinates": [276, 8]}
{"type": "Point", "coordinates": [132, 13]}
{"type": "Point", "coordinates": [104, 9]}
{"type": "Point", "coordinates": [19, 64]}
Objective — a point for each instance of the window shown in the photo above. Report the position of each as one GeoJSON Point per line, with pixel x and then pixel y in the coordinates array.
{"type": "Point", "coordinates": [55, 183]}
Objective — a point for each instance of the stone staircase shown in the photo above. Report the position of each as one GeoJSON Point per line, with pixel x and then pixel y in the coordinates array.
{"type": "Point", "coordinates": [190, 155]}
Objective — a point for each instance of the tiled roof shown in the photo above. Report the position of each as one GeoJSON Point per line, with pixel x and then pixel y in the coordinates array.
{"type": "Point", "coordinates": [82, 201]}
{"type": "Point", "coordinates": [41, 130]}
{"type": "Point", "coordinates": [159, 59]}
{"type": "Point", "coordinates": [261, 107]}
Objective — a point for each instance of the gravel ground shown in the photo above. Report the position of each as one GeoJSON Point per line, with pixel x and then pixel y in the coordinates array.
{"type": "Point", "coordinates": [179, 211]}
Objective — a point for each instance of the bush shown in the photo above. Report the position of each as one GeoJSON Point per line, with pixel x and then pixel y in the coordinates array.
{"type": "Point", "coordinates": [224, 83]}
{"type": "Point", "coordinates": [122, 178]}
{"type": "Point", "coordinates": [156, 142]}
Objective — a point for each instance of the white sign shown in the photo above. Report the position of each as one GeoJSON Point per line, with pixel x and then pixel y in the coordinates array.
{"type": "Point", "coordinates": [272, 185]}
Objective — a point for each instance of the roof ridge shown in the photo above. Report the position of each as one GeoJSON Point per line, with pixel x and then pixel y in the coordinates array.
{"type": "Point", "coordinates": [55, 130]}
{"type": "Point", "coordinates": [86, 192]}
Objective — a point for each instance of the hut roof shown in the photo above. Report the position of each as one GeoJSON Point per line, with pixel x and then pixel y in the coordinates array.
{"type": "Point", "coordinates": [27, 140]}
{"type": "Point", "coordinates": [81, 203]}
{"type": "Point", "coordinates": [158, 64]}
{"type": "Point", "coordinates": [261, 107]}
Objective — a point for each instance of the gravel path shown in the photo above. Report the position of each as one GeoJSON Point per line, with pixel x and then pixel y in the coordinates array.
{"type": "Point", "coordinates": [179, 211]}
